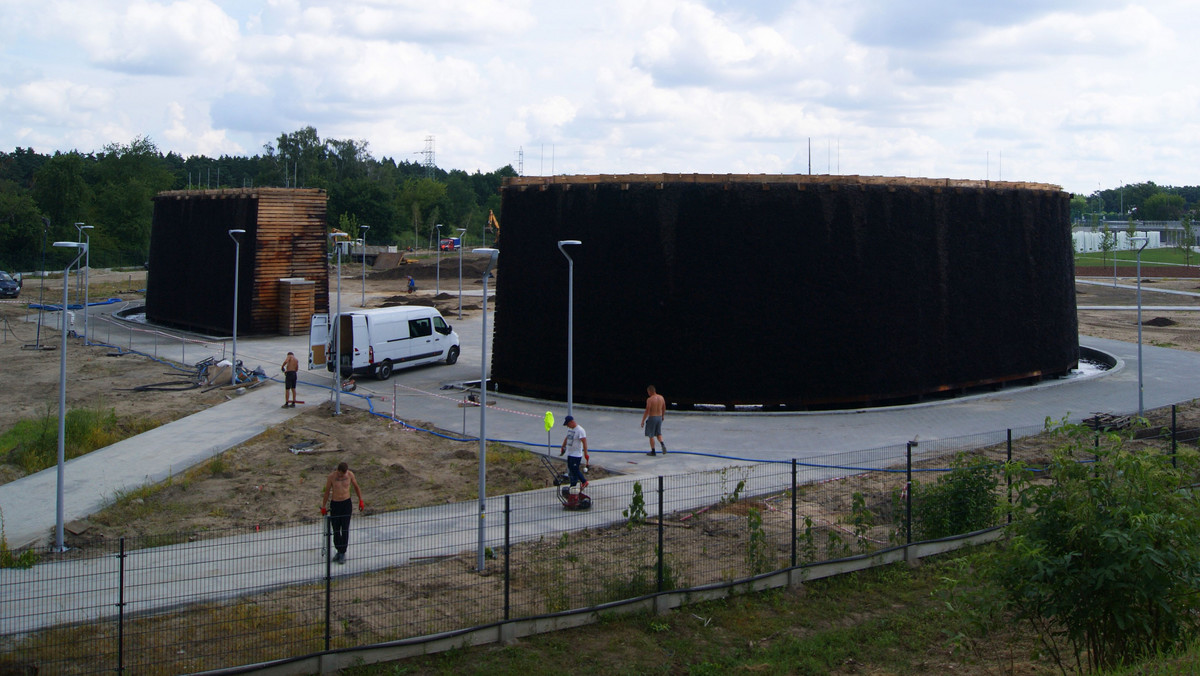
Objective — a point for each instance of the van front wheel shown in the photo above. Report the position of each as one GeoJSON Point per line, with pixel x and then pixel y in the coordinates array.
{"type": "Point", "coordinates": [452, 355]}
{"type": "Point", "coordinates": [384, 370]}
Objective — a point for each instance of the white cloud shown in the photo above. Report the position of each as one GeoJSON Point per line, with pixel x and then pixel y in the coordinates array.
{"type": "Point", "coordinates": [1070, 91]}
{"type": "Point", "coordinates": [188, 136]}
{"type": "Point", "coordinates": [143, 37]}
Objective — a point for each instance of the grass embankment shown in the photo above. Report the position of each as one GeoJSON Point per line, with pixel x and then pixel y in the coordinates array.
{"type": "Point", "coordinates": [889, 620]}
{"type": "Point", "coordinates": [1128, 257]}
{"type": "Point", "coordinates": [31, 445]}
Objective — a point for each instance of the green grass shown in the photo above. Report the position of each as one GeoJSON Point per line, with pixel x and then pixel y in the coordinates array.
{"type": "Point", "coordinates": [32, 443]}
{"type": "Point", "coordinates": [888, 620]}
{"type": "Point", "coordinates": [1170, 255]}
{"type": "Point", "coordinates": [884, 620]}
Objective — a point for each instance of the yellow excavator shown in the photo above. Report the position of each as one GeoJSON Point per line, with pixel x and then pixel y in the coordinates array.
{"type": "Point", "coordinates": [493, 226]}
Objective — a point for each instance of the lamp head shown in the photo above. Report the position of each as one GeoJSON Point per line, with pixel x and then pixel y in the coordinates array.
{"type": "Point", "coordinates": [492, 254]}
{"type": "Point", "coordinates": [567, 242]}
{"type": "Point", "coordinates": [70, 245]}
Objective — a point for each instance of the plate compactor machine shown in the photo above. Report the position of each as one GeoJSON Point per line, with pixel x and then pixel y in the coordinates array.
{"type": "Point", "coordinates": [571, 497]}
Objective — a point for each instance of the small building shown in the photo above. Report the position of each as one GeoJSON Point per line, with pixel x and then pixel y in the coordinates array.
{"type": "Point", "coordinates": [283, 275]}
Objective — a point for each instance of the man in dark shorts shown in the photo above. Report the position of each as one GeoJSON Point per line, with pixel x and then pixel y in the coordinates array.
{"type": "Point", "coordinates": [290, 367]}
{"type": "Point", "coordinates": [656, 410]}
{"type": "Point", "coordinates": [337, 487]}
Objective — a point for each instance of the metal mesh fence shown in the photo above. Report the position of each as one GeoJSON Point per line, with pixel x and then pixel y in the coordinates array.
{"type": "Point", "coordinates": [183, 602]}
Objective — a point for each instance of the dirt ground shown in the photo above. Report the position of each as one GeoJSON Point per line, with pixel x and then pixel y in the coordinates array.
{"type": "Point", "coordinates": [1179, 330]}
{"type": "Point", "coordinates": [262, 483]}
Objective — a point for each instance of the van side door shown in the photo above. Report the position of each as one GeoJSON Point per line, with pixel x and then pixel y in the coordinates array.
{"type": "Point", "coordinates": [425, 343]}
{"type": "Point", "coordinates": [318, 337]}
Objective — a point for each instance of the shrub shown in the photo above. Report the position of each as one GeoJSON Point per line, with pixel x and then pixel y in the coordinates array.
{"type": "Point", "coordinates": [963, 500]}
{"type": "Point", "coordinates": [1104, 555]}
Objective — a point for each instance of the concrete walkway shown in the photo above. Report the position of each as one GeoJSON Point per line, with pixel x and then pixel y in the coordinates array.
{"type": "Point", "coordinates": [92, 481]}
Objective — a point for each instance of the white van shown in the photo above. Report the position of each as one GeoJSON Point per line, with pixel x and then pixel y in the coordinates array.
{"type": "Point", "coordinates": [377, 342]}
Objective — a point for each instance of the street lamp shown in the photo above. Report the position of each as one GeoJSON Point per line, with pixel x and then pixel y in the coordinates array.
{"type": "Point", "coordinates": [1144, 240]}
{"type": "Point", "coordinates": [87, 266]}
{"type": "Point", "coordinates": [570, 322]}
{"type": "Point", "coordinates": [439, 262]}
{"type": "Point", "coordinates": [460, 250]}
{"type": "Point", "coordinates": [59, 545]}
{"type": "Point", "coordinates": [237, 259]}
{"type": "Point", "coordinates": [337, 350]}
{"type": "Point", "coordinates": [78, 240]}
{"type": "Point", "coordinates": [364, 229]}
{"type": "Point", "coordinates": [483, 360]}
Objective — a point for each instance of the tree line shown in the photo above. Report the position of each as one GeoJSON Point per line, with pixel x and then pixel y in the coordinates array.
{"type": "Point", "coordinates": [42, 196]}
{"type": "Point", "coordinates": [1136, 201]}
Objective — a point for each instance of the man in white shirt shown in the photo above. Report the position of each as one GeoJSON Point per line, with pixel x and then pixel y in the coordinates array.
{"type": "Point", "coordinates": [576, 448]}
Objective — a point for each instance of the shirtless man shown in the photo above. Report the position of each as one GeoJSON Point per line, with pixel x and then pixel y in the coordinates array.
{"type": "Point", "coordinates": [338, 486]}
{"type": "Point", "coordinates": [656, 410]}
{"type": "Point", "coordinates": [290, 367]}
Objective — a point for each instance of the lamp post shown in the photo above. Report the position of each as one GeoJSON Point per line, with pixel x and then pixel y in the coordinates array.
{"type": "Point", "coordinates": [78, 240]}
{"type": "Point", "coordinates": [87, 271]}
{"type": "Point", "coordinates": [364, 229]}
{"type": "Point", "coordinates": [337, 350]}
{"type": "Point", "coordinates": [438, 274]}
{"type": "Point", "coordinates": [570, 323]}
{"type": "Point", "coordinates": [483, 360]}
{"type": "Point", "coordinates": [1144, 240]}
{"type": "Point", "coordinates": [237, 259]}
{"type": "Point", "coordinates": [460, 250]}
{"type": "Point", "coordinates": [42, 286]}
{"type": "Point", "coordinates": [59, 545]}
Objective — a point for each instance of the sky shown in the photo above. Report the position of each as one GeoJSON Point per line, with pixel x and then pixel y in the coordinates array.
{"type": "Point", "coordinates": [1084, 94]}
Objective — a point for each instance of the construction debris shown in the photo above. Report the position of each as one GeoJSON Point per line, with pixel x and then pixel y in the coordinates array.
{"type": "Point", "coordinates": [1108, 421]}
{"type": "Point", "coordinates": [311, 447]}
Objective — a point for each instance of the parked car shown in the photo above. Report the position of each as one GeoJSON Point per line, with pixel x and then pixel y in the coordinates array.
{"type": "Point", "coordinates": [10, 287]}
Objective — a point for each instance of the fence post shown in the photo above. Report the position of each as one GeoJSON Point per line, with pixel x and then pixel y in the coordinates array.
{"type": "Point", "coordinates": [328, 580]}
{"type": "Point", "coordinates": [794, 534]}
{"type": "Point", "coordinates": [121, 610]}
{"type": "Point", "coordinates": [908, 496]}
{"type": "Point", "coordinates": [1174, 438]}
{"type": "Point", "coordinates": [507, 551]}
{"type": "Point", "coordinates": [659, 586]}
{"type": "Point", "coordinates": [1008, 477]}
